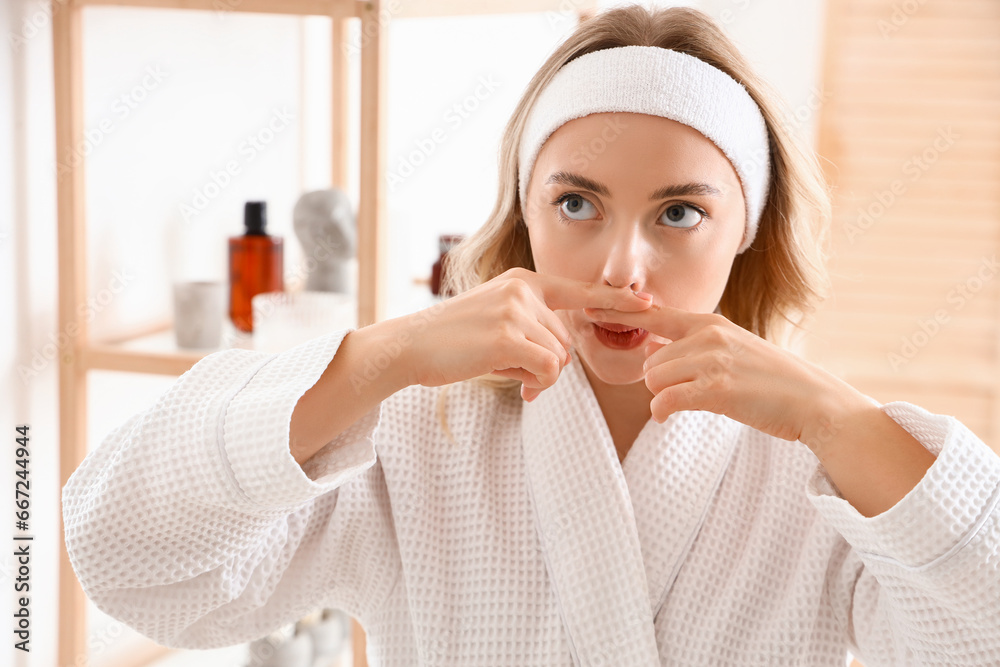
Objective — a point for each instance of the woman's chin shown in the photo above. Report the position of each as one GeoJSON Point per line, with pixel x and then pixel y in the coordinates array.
{"type": "Point", "coordinates": [613, 367]}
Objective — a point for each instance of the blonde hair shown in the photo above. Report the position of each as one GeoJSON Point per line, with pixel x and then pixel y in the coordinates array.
{"type": "Point", "coordinates": [773, 284]}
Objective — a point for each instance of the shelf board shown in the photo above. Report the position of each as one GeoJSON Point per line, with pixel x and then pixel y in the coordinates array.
{"type": "Point", "coordinates": [925, 375]}
{"type": "Point", "coordinates": [139, 652]}
{"type": "Point", "coordinates": [441, 8]}
{"type": "Point", "coordinates": [332, 8]}
{"type": "Point", "coordinates": [153, 351]}
{"type": "Point", "coordinates": [354, 8]}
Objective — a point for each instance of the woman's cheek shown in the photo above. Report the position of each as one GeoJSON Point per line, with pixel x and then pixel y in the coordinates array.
{"type": "Point", "coordinates": [697, 288]}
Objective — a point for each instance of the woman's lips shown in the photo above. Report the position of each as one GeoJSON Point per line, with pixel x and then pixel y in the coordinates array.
{"type": "Point", "coordinates": [619, 337]}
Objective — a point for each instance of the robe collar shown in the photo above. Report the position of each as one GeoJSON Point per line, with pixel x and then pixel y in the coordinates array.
{"type": "Point", "coordinates": [615, 535]}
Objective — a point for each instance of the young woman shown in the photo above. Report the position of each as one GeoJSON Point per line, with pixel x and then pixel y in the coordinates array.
{"type": "Point", "coordinates": [668, 486]}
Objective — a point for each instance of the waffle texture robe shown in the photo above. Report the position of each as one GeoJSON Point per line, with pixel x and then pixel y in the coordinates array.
{"type": "Point", "coordinates": [520, 539]}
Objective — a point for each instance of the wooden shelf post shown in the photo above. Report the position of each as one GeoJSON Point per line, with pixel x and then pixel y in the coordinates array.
{"type": "Point", "coordinates": [67, 63]}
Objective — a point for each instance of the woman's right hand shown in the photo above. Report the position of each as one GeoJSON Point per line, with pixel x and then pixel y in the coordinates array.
{"type": "Point", "coordinates": [505, 326]}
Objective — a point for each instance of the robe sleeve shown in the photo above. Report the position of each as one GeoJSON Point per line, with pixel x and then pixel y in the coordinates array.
{"type": "Point", "coordinates": [921, 581]}
{"type": "Point", "coordinates": [193, 524]}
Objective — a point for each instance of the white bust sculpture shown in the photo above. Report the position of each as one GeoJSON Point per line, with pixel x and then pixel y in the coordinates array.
{"type": "Point", "coordinates": [325, 225]}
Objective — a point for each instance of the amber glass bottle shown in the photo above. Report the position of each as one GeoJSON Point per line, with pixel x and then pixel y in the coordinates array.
{"type": "Point", "coordinates": [256, 264]}
{"type": "Point", "coordinates": [438, 272]}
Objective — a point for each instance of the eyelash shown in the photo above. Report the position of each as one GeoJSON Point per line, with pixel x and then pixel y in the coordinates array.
{"type": "Point", "coordinates": [557, 202]}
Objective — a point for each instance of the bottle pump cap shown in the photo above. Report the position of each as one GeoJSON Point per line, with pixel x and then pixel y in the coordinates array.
{"type": "Point", "coordinates": [255, 218]}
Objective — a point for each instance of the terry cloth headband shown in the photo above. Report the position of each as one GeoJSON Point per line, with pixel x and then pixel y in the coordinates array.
{"type": "Point", "coordinates": [659, 82]}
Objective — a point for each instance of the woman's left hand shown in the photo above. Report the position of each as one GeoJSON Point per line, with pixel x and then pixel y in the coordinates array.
{"type": "Point", "coordinates": [715, 365]}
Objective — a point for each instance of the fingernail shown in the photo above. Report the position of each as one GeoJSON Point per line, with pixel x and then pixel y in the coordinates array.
{"type": "Point", "coordinates": [643, 295]}
{"type": "Point", "coordinates": [569, 357]}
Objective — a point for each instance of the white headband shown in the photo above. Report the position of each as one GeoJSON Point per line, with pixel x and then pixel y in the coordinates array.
{"type": "Point", "coordinates": [659, 82]}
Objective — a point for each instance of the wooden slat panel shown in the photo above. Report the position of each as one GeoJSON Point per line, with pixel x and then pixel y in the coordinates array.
{"type": "Point", "coordinates": [971, 406]}
{"type": "Point", "coordinates": [955, 90]}
{"type": "Point", "coordinates": [975, 195]}
{"type": "Point", "coordinates": [949, 165]}
{"type": "Point", "coordinates": [947, 136]}
{"type": "Point", "coordinates": [917, 27]}
{"type": "Point", "coordinates": [874, 353]}
{"type": "Point", "coordinates": [875, 265]}
{"type": "Point", "coordinates": [872, 299]}
{"type": "Point", "coordinates": [920, 47]}
{"type": "Point", "coordinates": [883, 9]}
{"type": "Point", "coordinates": [912, 68]}
{"type": "Point", "coordinates": [922, 303]}
{"type": "Point", "coordinates": [889, 87]}
{"type": "Point", "coordinates": [898, 240]}
{"type": "Point", "coordinates": [887, 353]}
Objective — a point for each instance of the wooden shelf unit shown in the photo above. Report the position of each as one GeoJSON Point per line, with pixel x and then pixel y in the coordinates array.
{"type": "Point", "coordinates": [80, 355]}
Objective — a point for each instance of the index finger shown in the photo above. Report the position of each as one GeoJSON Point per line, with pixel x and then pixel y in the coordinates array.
{"type": "Point", "coordinates": [562, 293]}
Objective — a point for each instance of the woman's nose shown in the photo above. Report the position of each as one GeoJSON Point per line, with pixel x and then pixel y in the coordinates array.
{"type": "Point", "coordinates": [625, 264]}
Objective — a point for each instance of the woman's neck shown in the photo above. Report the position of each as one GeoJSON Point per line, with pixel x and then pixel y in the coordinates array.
{"type": "Point", "coordinates": [625, 408]}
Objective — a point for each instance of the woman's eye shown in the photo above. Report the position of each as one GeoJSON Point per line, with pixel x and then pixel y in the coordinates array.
{"type": "Point", "coordinates": [571, 205]}
{"type": "Point", "coordinates": [682, 215]}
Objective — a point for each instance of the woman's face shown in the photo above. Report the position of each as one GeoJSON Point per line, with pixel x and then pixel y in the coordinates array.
{"type": "Point", "coordinates": [628, 199]}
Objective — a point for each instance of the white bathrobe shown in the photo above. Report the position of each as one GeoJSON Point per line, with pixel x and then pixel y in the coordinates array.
{"type": "Point", "coordinates": [524, 542]}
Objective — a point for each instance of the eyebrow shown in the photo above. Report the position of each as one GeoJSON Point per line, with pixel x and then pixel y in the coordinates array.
{"type": "Point", "coordinates": [667, 191]}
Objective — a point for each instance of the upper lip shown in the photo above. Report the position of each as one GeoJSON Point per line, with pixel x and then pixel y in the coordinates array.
{"type": "Point", "coordinates": [611, 326]}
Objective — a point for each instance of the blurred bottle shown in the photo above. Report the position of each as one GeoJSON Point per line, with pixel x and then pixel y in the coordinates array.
{"type": "Point", "coordinates": [445, 243]}
{"type": "Point", "coordinates": [256, 264]}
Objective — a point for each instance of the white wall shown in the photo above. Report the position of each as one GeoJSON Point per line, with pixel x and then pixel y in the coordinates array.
{"type": "Point", "coordinates": [220, 78]}
{"type": "Point", "coordinates": [27, 298]}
